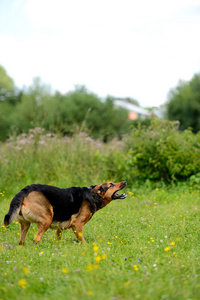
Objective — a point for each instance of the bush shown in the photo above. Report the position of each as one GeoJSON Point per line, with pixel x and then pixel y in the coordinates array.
{"type": "Point", "coordinates": [157, 152]}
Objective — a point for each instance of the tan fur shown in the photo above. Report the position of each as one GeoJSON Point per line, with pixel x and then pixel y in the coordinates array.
{"type": "Point", "coordinates": [35, 208]}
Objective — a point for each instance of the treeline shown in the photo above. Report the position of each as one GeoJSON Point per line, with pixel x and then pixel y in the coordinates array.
{"type": "Point", "coordinates": [37, 106]}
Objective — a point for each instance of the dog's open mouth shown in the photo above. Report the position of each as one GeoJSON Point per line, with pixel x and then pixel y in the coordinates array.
{"type": "Point", "coordinates": [118, 196]}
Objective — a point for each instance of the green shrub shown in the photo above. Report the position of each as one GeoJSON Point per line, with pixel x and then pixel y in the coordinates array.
{"type": "Point", "coordinates": [157, 152]}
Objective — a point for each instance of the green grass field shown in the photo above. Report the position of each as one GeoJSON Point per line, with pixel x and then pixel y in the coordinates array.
{"type": "Point", "coordinates": [144, 247]}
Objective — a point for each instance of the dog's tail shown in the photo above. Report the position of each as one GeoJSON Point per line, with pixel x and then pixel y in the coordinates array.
{"type": "Point", "coordinates": [14, 207]}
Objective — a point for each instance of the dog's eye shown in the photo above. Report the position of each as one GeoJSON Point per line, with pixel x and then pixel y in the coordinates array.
{"type": "Point", "coordinates": [112, 185]}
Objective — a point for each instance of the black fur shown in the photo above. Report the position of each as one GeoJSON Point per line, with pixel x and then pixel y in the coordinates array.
{"type": "Point", "coordinates": [65, 202]}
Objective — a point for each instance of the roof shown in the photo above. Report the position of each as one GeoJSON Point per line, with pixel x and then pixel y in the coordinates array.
{"type": "Point", "coordinates": [131, 107]}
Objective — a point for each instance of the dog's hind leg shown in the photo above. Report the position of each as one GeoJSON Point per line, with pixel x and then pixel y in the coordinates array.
{"type": "Point", "coordinates": [24, 229]}
{"type": "Point", "coordinates": [42, 228]}
{"type": "Point", "coordinates": [59, 233]}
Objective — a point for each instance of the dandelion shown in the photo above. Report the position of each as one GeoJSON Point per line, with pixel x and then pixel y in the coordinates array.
{"type": "Point", "coordinates": [26, 270]}
{"type": "Point", "coordinates": [109, 243]}
{"type": "Point", "coordinates": [90, 267]}
{"type": "Point", "coordinates": [90, 293]}
{"type": "Point", "coordinates": [167, 248]}
{"type": "Point", "coordinates": [172, 243]}
{"type": "Point", "coordinates": [127, 283]}
{"type": "Point", "coordinates": [97, 259]}
{"type": "Point", "coordinates": [178, 239]}
{"type": "Point", "coordinates": [22, 283]}
{"type": "Point", "coordinates": [135, 267]}
{"type": "Point", "coordinates": [95, 248]}
{"type": "Point", "coordinates": [103, 256]}
{"type": "Point", "coordinates": [64, 271]}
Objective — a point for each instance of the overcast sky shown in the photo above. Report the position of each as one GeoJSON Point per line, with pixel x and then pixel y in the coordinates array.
{"type": "Point", "coordinates": [124, 48]}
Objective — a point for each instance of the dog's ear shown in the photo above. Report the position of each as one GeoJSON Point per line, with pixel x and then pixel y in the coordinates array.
{"type": "Point", "coordinates": [92, 187]}
{"type": "Point", "coordinates": [87, 195]}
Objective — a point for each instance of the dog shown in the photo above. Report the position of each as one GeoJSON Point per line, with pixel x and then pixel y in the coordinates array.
{"type": "Point", "coordinates": [60, 208]}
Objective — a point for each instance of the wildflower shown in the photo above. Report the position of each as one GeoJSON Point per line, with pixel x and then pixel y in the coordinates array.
{"type": "Point", "coordinates": [178, 239]}
{"type": "Point", "coordinates": [127, 283]}
{"type": "Point", "coordinates": [95, 248]}
{"type": "Point", "coordinates": [97, 259]}
{"type": "Point", "coordinates": [139, 260]}
{"type": "Point", "coordinates": [26, 270]}
{"type": "Point", "coordinates": [56, 249]}
{"type": "Point", "coordinates": [172, 243]}
{"type": "Point", "coordinates": [22, 283]}
{"type": "Point", "coordinates": [78, 271]}
{"type": "Point", "coordinates": [109, 243]}
{"type": "Point", "coordinates": [64, 271]}
{"type": "Point", "coordinates": [125, 258]}
{"type": "Point", "coordinates": [135, 267]}
{"type": "Point", "coordinates": [90, 267]}
{"type": "Point", "coordinates": [167, 248]}
{"type": "Point", "coordinates": [90, 293]}
{"type": "Point", "coordinates": [15, 268]}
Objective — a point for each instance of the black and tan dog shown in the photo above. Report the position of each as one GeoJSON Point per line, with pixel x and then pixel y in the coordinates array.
{"type": "Point", "coordinates": [52, 207]}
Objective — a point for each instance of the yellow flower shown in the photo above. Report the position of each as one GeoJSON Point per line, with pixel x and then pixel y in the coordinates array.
{"type": "Point", "coordinates": [103, 256]}
{"type": "Point", "coordinates": [90, 267]}
{"type": "Point", "coordinates": [109, 243]}
{"type": "Point", "coordinates": [90, 293]}
{"type": "Point", "coordinates": [178, 239]}
{"type": "Point", "coordinates": [167, 248]}
{"type": "Point", "coordinates": [95, 248]}
{"type": "Point", "coordinates": [26, 270]}
{"type": "Point", "coordinates": [97, 259]}
{"type": "Point", "coordinates": [22, 283]}
{"type": "Point", "coordinates": [127, 283]}
{"type": "Point", "coordinates": [135, 267]}
{"type": "Point", "coordinates": [64, 271]}
{"type": "Point", "coordinates": [172, 243]}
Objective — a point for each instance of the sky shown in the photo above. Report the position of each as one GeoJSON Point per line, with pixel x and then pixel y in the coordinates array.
{"type": "Point", "coordinates": [122, 48]}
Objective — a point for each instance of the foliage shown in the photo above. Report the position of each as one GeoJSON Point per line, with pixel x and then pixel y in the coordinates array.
{"type": "Point", "coordinates": [158, 152]}
{"type": "Point", "coordinates": [37, 106]}
{"type": "Point", "coordinates": [184, 104]}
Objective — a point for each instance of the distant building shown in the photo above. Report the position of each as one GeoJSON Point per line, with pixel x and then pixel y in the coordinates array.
{"type": "Point", "coordinates": [134, 112]}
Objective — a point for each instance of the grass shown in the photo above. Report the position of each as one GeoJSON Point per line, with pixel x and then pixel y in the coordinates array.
{"type": "Point", "coordinates": [143, 247]}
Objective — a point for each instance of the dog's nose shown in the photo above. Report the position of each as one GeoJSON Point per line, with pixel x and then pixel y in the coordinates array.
{"type": "Point", "coordinates": [124, 182]}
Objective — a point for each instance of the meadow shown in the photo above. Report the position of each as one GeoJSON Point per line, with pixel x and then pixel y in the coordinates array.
{"type": "Point", "coordinates": [144, 247]}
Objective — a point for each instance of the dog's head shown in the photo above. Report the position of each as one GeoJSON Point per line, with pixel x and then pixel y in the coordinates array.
{"type": "Point", "coordinates": [105, 192]}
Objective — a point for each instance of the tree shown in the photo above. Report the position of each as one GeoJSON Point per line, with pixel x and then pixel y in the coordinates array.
{"type": "Point", "coordinates": [184, 104]}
